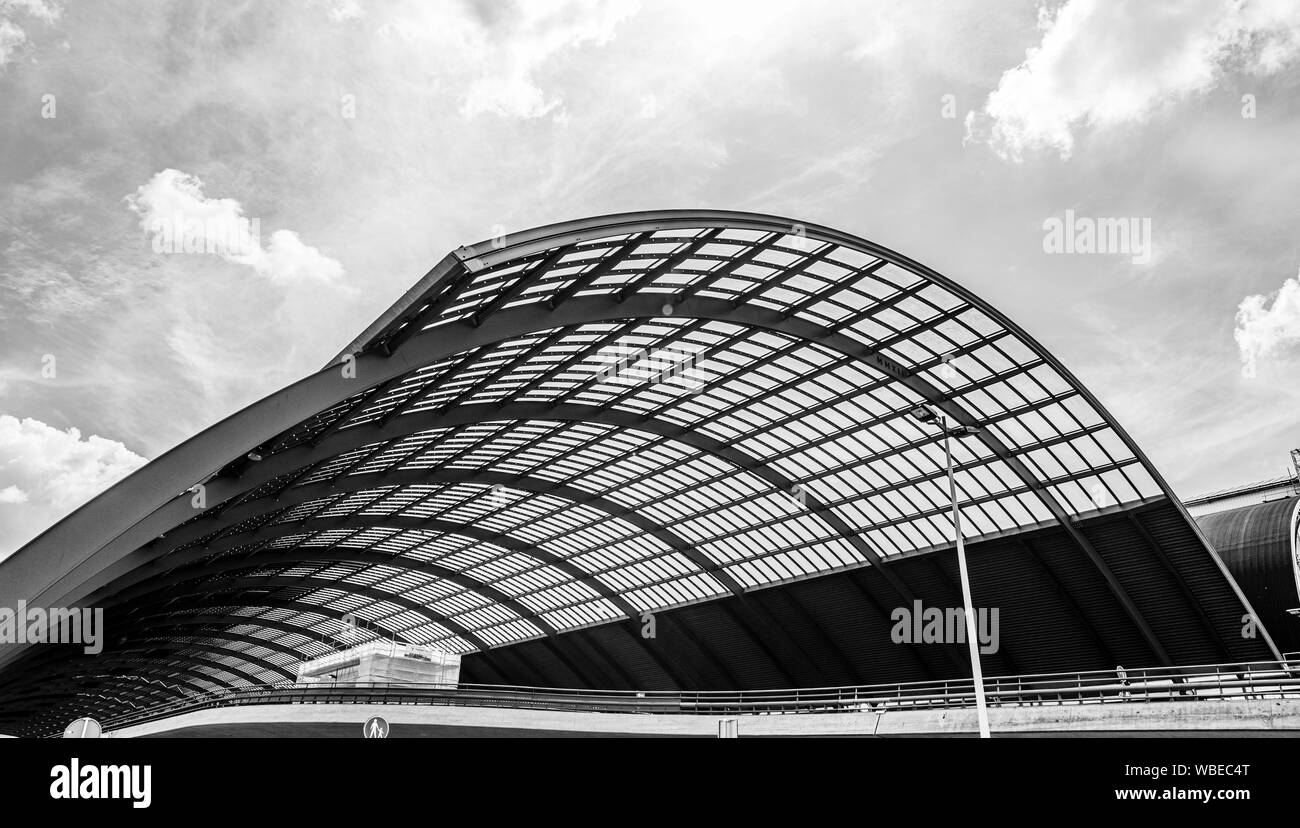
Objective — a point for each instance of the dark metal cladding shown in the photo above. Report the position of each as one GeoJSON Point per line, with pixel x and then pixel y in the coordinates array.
{"type": "Point", "coordinates": [1259, 545]}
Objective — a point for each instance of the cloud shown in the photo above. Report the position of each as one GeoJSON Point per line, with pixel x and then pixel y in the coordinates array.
{"type": "Point", "coordinates": [1102, 64]}
{"type": "Point", "coordinates": [520, 43]}
{"type": "Point", "coordinates": [12, 494]}
{"type": "Point", "coordinates": [11, 38]}
{"type": "Point", "coordinates": [1263, 330]}
{"type": "Point", "coordinates": [173, 208]}
{"type": "Point", "coordinates": [46, 472]}
{"type": "Point", "coordinates": [47, 12]}
{"type": "Point", "coordinates": [12, 35]}
{"type": "Point", "coordinates": [341, 10]}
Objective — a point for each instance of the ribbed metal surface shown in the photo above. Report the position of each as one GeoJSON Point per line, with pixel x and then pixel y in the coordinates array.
{"type": "Point", "coordinates": [1258, 544]}
{"type": "Point", "coordinates": [1055, 614]}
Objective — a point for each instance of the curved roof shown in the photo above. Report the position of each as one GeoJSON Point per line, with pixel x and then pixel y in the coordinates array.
{"type": "Point", "coordinates": [562, 429]}
{"type": "Point", "coordinates": [1260, 543]}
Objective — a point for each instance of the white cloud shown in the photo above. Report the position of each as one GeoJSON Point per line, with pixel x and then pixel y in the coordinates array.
{"type": "Point", "coordinates": [11, 38]}
{"type": "Point", "coordinates": [341, 10]}
{"type": "Point", "coordinates": [12, 494]}
{"type": "Point", "coordinates": [538, 31]}
{"type": "Point", "coordinates": [46, 472]}
{"type": "Point", "coordinates": [1101, 64]}
{"type": "Point", "coordinates": [12, 35]}
{"type": "Point", "coordinates": [173, 200]}
{"type": "Point", "coordinates": [47, 12]}
{"type": "Point", "coordinates": [1262, 329]}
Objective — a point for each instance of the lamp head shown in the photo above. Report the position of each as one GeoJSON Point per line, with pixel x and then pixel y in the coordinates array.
{"type": "Point", "coordinates": [923, 413]}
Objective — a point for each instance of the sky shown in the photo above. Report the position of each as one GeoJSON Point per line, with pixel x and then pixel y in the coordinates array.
{"type": "Point", "coordinates": [343, 147]}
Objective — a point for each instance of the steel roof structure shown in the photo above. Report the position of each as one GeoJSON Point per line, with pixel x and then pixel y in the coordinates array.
{"type": "Point", "coordinates": [699, 414]}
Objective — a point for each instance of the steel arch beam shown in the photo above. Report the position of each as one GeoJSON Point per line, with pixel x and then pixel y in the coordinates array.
{"type": "Point", "coordinates": [236, 514]}
{"type": "Point", "coordinates": [184, 558]}
{"type": "Point", "coordinates": [176, 674]}
{"type": "Point", "coordinates": [55, 694]}
{"type": "Point", "coordinates": [159, 608]}
{"type": "Point", "coordinates": [152, 649]}
{"type": "Point", "coordinates": [235, 437]}
{"type": "Point", "coordinates": [753, 619]}
{"type": "Point", "coordinates": [149, 652]}
{"type": "Point", "coordinates": [349, 555]}
{"type": "Point", "coordinates": [242, 620]}
{"type": "Point", "coordinates": [146, 646]}
{"type": "Point", "coordinates": [113, 684]}
{"type": "Point", "coordinates": [172, 577]}
{"type": "Point", "coordinates": [190, 664]}
{"type": "Point", "coordinates": [228, 620]}
{"type": "Point", "coordinates": [353, 438]}
{"type": "Point", "coordinates": [223, 635]}
{"type": "Point", "coordinates": [162, 608]}
{"type": "Point", "coordinates": [313, 584]}
{"type": "Point", "coordinates": [144, 643]}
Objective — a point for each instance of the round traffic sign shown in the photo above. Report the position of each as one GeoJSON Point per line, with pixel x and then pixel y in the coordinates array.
{"type": "Point", "coordinates": [376, 728]}
{"type": "Point", "coordinates": [83, 728]}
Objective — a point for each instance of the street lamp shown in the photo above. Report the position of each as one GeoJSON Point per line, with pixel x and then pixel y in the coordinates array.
{"type": "Point", "coordinates": [926, 415]}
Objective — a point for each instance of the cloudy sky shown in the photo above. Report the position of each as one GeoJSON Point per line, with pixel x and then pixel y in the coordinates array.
{"type": "Point", "coordinates": [364, 140]}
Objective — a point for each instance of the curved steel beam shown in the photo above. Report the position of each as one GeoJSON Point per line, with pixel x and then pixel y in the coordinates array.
{"type": "Point", "coordinates": [162, 608]}
{"type": "Point", "coordinates": [419, 351]}
{"type": "Point", "coordinates": [114, 684]}
{"type": "Point", "coordinates": [234, 515]}
{"type": "Point", "coordinates": [52, 661]}
{"type": "Point", "coordinates": [313, 584]}
{"type": "Point", "coordinates": [753, 620]}
{"type": "Point", "coordinates": [163, 566]}
{"type": "Point", "coordinates": [149, 653]}
{"type": "Point", "coordinates": [295, 461]}
{"type": "Point", "coordinates": [172, 577]}
{"type": "Point", "coordinates": [174, 673]}
{"type": "Point", "coordinates": [143, 611]}
{"type": "Point", "coordinates": [145, 646]}
{"type": "Point", "coordinates": [224, 620]}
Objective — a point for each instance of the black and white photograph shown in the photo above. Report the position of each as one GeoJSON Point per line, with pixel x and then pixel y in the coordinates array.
{"type": "Point", "coordinates": [516, 371]}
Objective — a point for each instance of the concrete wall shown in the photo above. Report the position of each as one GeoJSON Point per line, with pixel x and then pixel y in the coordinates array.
{"type": "Point", "coordinates": [1233, 717]}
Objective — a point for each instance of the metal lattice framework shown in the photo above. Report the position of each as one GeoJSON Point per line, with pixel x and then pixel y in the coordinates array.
{"type": "Point", "coordinates": [571, 426]}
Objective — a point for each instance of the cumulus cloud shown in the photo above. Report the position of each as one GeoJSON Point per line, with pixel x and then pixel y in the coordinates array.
{"type": "Point", "coordinates": [46, 472]}
{"type": "Point", "coordinates": [174, 210]}
{"type": "Point", "coordinates": [520, 43]}
{"type": "Point", "coordinates": [1101, 64]}
{"type": "Point", "coordinates": [12, 494]}
{"type": "Point", "coordinates": [1264, 329]}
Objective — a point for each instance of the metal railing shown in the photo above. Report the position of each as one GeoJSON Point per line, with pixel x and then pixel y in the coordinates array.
{"type": "Point", "coordinates": [1254, 680]}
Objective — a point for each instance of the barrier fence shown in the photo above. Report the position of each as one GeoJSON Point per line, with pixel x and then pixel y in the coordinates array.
{"type": "Point", "coordinates": [1255, 680]}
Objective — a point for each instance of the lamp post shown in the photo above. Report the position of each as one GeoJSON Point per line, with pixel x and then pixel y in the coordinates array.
{"type": "Point", "coordinates": [926, 415]}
